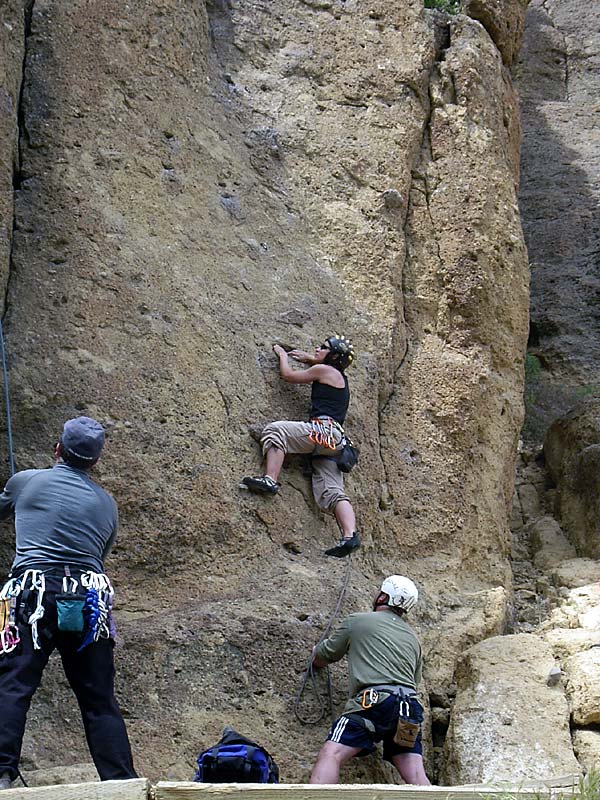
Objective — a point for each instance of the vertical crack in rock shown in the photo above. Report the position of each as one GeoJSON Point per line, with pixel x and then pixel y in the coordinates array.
{"type": "Point", "coordinates": [423, 155]}
{"type": "Point", "coordinates": [21, 131]}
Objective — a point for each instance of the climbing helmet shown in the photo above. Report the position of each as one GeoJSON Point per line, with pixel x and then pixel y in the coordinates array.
{"type": "Point", "coordinates": [402, 592]}
{"type": "Point", "coordinates": [341, 351]}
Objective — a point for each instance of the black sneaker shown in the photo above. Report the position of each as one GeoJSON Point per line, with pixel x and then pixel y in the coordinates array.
{"type": "Point", "coordinates": [344, 547]}
{"type": "Point", "coordinates": [262, 485]}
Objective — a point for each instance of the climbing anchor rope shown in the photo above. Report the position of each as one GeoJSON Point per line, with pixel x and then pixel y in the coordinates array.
{"type": "Point", "coordinates": [310, 674]}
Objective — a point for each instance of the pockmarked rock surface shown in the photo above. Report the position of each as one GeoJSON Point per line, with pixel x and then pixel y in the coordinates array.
{"type": "Point", "coordinates": [558, 77]}
{"type": "Point", "coordinates": [196, 182]}
{"type": "Point", "coordinates": [587, 748]}
{"type": "Point", "coordinates": [12, 42]}
{"type": "Point", "coordinates": [504, 20]}
{"type": "Point", "coordinates": [584, 686]}
{"type": "Point", "coordinates": [572, 449]}
{"type": "Point", "coordinates": [502, 690]}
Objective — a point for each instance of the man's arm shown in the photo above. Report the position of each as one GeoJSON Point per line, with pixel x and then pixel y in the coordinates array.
{"type": "Point", "coordinates": [319, 372]}
{"type": "Point", "coordinates": [334, 648]}
{"type": "Point", "coordinates": [419, 669]}
{"type": "Point", "coordinates": [13, 487]}
{"type": "Point", "coordinates": [115, 526]}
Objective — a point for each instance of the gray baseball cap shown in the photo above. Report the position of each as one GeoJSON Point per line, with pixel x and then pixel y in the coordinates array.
{"type": "Point", "coordinates": [83, 437]}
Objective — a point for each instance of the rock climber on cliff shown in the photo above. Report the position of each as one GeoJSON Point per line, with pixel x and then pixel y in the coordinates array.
{"type": "Point", "coordinates": [385, 663]}
{"type": "Point", "coordinates": [322, 436]}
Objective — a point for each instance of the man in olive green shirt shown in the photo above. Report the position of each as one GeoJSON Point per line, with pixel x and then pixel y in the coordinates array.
{"type": "Point", "coordinates": [385, 665]}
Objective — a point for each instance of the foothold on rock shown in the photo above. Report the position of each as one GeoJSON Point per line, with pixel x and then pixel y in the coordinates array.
{"type": "Point", "coordinates": [554, 676]}
{"type": "Point", "coordinates": [255, 430]}
{"type": "Point", "coordinates": [392, 198]}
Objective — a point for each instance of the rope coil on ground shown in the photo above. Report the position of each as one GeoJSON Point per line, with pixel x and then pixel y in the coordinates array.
{"type": "Point", "coordinates": [310, 674]}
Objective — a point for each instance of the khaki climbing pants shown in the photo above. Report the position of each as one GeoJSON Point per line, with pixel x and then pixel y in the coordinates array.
{"type": "Point", "coordinates": [327, 480]}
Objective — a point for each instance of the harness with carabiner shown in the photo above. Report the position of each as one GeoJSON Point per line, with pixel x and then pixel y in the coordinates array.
{"type": "Point", "coordinates": [322, 434]}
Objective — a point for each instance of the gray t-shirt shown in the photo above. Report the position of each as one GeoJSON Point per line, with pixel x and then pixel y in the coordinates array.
{"type": "Point", "coordinates": [61, 517]}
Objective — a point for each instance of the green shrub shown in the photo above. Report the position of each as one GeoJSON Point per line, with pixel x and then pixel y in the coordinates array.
{"type": "Point", "coordinates": [449, 6]}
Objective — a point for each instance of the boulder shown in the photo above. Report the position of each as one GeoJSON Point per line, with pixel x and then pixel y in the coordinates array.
{"type": "Point", "coordinates": [577, 615]}
{"type": "Point", "coordinates": [549, 544]}
{"type": "Point", "coordinates": [583, 685]}
{"type": "Point", "coordinates": [587, 748]}
{"type": "Point", "coordinates": [530, 501]}
{"type": "Point", "coordinates": [507, 724]}
{"type": "Point", "coordinates": [576, 572]}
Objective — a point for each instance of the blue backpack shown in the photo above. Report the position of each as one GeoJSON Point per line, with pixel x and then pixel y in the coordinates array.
{"type": "Point", "coordinates": [236, 759]}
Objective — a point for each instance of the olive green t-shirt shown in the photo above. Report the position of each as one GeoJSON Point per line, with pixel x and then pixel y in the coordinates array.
{"type": "Point", "coordinates": [381, 647]}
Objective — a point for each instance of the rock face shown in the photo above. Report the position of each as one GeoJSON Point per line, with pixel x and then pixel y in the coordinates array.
{"type": "Point", "coordinates": [502, 691]}
{"type": "Point", "coordinates": [572, 449]}
{"type": "Point", "coordinates": [559, 84]}
{"type": "Point", "coordinates": [558, 78]}
{"type": "Point", "coordinates": [504, 21]}
{"type": "Point", "coordinates": [558, 598]}
{"type": "Point", "coordinates": [196, 182]}
{"type": "Point", "coordinates": [12, 41]}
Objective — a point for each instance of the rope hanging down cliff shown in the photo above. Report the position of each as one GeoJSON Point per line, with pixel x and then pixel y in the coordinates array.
{"type": "Point", "coordinates": [309, 674]}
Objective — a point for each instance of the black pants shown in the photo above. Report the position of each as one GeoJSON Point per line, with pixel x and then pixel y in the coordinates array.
{"type": "Point", "coordinates": [91, 676]}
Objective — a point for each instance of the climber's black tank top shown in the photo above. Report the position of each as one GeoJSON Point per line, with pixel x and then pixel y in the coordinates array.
{"type": "Point", "coordinates": [327, 401]}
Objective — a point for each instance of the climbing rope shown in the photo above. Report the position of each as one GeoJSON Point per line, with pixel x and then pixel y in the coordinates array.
{"type": "Point", "coordinates": [309, 673]}
{"type": "Point", "coordinates": [11, 459]}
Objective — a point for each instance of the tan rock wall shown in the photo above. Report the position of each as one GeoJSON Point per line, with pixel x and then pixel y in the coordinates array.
{"type": "Point", "coordinates": [198, 182]}
{"type": "Point", "coordinates": [12, 40]}
{"type": "Point", "coordinates": [504, 20]}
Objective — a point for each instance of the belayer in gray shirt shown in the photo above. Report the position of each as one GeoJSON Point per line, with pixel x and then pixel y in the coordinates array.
{"type": "Point", "coordinates": [58, 597]}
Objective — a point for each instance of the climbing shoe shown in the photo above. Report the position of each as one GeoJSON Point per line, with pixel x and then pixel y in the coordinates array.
{"type": "Point", "coordinates": [5, 781]}
{"type": "Point", "coordinates": [344, 547]}
{"type": "Point", "coordinates": [262, 485]}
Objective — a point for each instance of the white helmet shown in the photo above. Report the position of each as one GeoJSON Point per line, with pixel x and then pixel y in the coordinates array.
{"type": "Point", "coordinates": [401, 591]}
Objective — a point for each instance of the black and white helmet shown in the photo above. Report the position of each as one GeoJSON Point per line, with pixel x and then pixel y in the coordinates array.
{"type": "Point", "coordinates": [402, 592]}
{"type": "Point", "coordinates": [341, 353]}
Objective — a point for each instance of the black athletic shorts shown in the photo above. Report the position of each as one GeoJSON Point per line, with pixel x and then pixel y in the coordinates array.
{"type": "Point", "coordinates": [350, 731]}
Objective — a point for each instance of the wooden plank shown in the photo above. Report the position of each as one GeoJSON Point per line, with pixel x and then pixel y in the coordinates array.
{"type": "Point", "coordinates": [171, 790]}
{"type": "Point", "coordinates": [135, 789]}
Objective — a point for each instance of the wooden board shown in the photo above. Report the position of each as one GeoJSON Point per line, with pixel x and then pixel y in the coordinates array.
{"type": "Point", "coordinates": [136, 789]}
{"type": "Point", "coordinates": [259, 791]}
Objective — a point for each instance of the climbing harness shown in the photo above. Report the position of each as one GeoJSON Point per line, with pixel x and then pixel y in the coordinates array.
{"type": "Point", "coordinates": [370, 697]}
{"type": "Point", "coordinates": [11, 459]}
{"type": "Point", "coordinates": [97, 609]}
{"type": "Point", "coordinates": [94, 607]}
{"type": "Point", "coordinates": [32, 580]}
{"type": "Point", "coordinates": [309, 674]}
{"type": "Point", "coordinates": [321, 432]}
{"type": "Point", "coordinates": [9, 632]}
